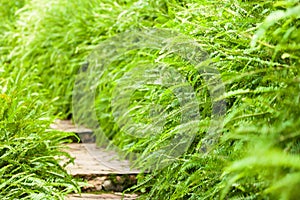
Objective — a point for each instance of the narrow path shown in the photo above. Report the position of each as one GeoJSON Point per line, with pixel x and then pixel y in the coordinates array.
{"type": "Point", "coordinates": [101, 169]}
{"type": "Point", "coordinates": [101, 197]}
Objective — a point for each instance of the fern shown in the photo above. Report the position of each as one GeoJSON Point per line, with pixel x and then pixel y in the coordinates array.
{"type": "Point", "coordinates": [244, 53]}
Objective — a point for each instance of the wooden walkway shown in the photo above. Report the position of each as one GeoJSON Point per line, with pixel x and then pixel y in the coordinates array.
{"type": "Point", "coordinates": [92, 160]}
{"type": "Point", "coordinates": [102, 169]}
{"type": "Point", "coordinates": [101, 197]}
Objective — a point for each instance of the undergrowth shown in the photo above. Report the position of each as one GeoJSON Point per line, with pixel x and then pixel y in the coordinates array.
{"type": "Point", "coordinates": [29, 164]}
{"type": "Point", "coordinates": [31, 156]}
{"type": "Point", "coordinates": [254, 45]}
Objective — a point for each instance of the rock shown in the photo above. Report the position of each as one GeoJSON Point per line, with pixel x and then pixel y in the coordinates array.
{"type": "Point", "coordinates": [108, 185]}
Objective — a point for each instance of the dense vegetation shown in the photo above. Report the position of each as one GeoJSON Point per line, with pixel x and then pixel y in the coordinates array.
{"type": "Point", "coordinates": [29, 150]}
{"type": "Point", "coordinates": [254, 45]}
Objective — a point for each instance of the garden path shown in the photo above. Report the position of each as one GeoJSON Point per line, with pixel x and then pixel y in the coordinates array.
{"type": "Point", "coordinates": [104, 172]}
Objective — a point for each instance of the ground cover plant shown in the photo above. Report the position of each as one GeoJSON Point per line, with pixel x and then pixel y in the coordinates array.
{"type": "Point", "coordinates": [29, 151]}
{"type": "Point", "coordinates": [29, 161]}
{"type": "Point", "coordinates": [254, 45]}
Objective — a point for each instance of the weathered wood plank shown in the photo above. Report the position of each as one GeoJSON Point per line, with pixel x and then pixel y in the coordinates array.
{"type": "Point", "coordinates": [92, 160]}
{"type": "Point", "coordinates": [102, 169]}
{"type": "Point", "coordinates": [85, 134]}
{"type": "Point", "coordinates": [101, 197]}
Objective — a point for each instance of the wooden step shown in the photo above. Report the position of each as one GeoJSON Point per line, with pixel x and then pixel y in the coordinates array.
{"type": "Point", "coordinates": [102, 169]}
{"type": "Point", "coordinates": [112, 196]}
{"type": "Point", "coordinates": [92, 160]}
{"type": "Point", "coordinates": [85, 134]}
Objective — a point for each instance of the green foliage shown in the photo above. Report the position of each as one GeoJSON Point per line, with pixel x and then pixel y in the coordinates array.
{"type": "Point", "coordinates": [30, 164]}
{"type": "Point", "coordinates": [253, 44]}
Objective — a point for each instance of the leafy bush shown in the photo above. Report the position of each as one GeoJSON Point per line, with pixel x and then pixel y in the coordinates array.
{"type": "Point", "coordinates": [253, 44]}
{"type": "Point", "coordinates": [30, 167]}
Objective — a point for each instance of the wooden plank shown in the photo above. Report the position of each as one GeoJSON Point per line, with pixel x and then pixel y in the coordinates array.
{"type": "Point", "coordinates": [102, 169]}
{"type": "Point", "coordinates": [92, 160]}
{"type": "Point", "coordinates": [85, 134]}
{"type": "Point", "coordinates": [101, 196]}
{"type": "Point", "coordinates": [84, 163]}
{"type": "Point", "coordinates": [68, 126]}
